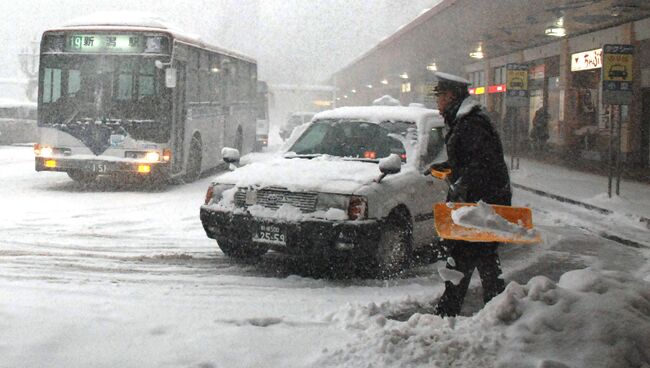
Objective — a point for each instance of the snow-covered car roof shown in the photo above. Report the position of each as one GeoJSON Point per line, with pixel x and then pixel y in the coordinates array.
{"type": "Point", "coordinates": [377, 114]}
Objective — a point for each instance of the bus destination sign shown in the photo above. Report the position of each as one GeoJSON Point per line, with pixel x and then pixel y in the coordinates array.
{"type": "Point", "coordinates": [94, 43]}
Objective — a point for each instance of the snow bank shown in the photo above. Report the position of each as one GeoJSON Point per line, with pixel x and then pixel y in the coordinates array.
{"type": "Point", "coordinates": [589, 318]}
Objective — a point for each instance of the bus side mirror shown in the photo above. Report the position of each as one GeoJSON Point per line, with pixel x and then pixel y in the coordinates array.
{"type": "Point", "coordinates": [170, 77]}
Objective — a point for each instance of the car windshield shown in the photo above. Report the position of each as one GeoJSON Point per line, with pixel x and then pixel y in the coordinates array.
{"type": "Point", "coordinates": [351, 139]}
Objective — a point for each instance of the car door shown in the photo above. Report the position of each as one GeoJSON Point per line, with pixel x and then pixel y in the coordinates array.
{"type": "Point", "coordinates": [427, 189]}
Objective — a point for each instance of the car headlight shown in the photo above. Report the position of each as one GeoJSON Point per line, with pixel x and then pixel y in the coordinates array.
{"type": "Point", "coordinates": [327, 201]}
{"type": "Point", "coordinates": [216, 192]}
{"type": "Point", "coordinates": [358, 208]}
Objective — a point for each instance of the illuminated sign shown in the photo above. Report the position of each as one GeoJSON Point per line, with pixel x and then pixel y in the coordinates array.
{"type": "Point", "coordinates": [617, 74]}
{"type": "Point", "coordinates": [587, 60]}
{"type": "Point", "coordinates": [476, 91]}
{"type": "Point", "coordinates": [497, 88]}
{"type": "Point", "coordinates": [322, 103]}
{"type": "Point", "coordinates": [517, 80]}
{"type": "Point", "coordinates": [114, 43]}
{"type": "Point", "coordinates": [537, 71]}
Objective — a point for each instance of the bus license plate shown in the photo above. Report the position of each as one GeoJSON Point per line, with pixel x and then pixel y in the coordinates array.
{"type": "Point", "coordinates": [272, 234]}
{"type": "Point", "coordinates": [100, 168]}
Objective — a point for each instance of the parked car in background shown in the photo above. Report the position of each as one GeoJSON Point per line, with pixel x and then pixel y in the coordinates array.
{"type": "Point", "coordinates": [17, 121]}
{"type": "Point", "coordinates": [349, 187]}
{"type": "Point", "coordinates": [296, 119]}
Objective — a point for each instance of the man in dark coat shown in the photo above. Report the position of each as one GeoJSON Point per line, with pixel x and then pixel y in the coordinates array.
{"type": "Point", "coordinates": [478, 173]}
{"type": "Point", "coordinates": [539, 133]}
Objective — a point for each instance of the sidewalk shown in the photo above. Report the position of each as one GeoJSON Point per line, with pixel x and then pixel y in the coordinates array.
{"type": "Point", "coordinates": [587, 189]}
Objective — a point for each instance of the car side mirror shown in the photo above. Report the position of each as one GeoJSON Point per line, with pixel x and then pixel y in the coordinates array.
{"type": "Point", "coordinates": [170, 77]}
{"type": "Point", "coordinates": [390, 165]}
{"type": "Point", "coordinates": [230, 156]}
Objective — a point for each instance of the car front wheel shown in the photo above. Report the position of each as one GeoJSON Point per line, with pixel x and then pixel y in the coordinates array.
{"type": "Point", "coordinates": [394, 247]}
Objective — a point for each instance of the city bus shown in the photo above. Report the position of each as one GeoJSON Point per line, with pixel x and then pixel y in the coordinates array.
{"type": "Point", "coordinates": [141, 100]}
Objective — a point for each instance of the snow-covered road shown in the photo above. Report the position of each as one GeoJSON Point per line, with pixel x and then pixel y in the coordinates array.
{"type": "Point", "coordinates": [126, 277]}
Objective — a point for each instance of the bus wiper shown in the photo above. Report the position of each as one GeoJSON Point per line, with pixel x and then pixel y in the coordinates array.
{"type": "Point", "coordinates": [75, 112]}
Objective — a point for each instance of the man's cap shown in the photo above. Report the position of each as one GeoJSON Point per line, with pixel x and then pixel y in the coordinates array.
{"type": "Point", "coordinates": [450, 82]}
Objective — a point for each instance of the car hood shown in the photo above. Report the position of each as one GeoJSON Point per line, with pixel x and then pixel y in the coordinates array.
{"type": "Point", "coordinates": [320, 174]}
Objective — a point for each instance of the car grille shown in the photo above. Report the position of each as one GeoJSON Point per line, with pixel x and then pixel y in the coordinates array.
{"type": "Point", "coordinates": [274, 198]}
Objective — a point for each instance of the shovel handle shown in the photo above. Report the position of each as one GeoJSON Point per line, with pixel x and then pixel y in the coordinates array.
{"type": "Point", "coordinates": [441, 174]}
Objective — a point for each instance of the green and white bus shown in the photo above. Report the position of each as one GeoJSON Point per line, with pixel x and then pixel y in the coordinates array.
{"type": "Point", "coordinates": [140, 100]}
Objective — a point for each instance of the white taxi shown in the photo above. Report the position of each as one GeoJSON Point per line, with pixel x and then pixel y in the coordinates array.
{"type": "Point", "coordinates": [349, 186]}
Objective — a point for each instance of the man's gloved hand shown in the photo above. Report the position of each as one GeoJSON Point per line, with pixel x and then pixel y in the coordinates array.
{"type": "Point", "coordinates": [440, 166]}
{"type": "Point", "coordinates": [457, 192]}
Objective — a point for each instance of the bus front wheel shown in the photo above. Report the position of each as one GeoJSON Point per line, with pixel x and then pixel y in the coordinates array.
{"type": "Point", "coordinates": [194, 161]}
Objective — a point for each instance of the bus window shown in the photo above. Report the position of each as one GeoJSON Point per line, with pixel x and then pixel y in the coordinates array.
{"type": "Point", "coordinates": [204, 77]}
{"type": "Point", "coordinates": [192, 84]}
{"type": "Point", "coordinates": [215, 79]}
{"type": "Point", "coordinates": [125, 80]}
{"type": "Point", "coordinates": [51, 85]}
{"type": "Point", "coordinates": [146, 85]}
{"type": "Point", "coordinates": [74, 81]}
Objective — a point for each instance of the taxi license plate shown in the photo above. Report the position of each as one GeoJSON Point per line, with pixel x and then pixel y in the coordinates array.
{"type": "Point", "coordinates": [272, 234]}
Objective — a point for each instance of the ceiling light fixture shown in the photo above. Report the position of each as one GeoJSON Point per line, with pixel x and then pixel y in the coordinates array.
{"type": "Point", "coordinates": [432, 67]}
{"type": "Point", "coordinates": [478, 54]}
{"type": "Point", "coordinates": [384, 81]}
{"type": "Point", "coordinates": [404, 75]}
{"type": "Point", "coordinates": [557, 29]}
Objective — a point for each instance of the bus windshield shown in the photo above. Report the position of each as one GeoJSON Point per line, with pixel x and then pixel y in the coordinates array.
{"type": "Point", "coordinates": [120, 89]}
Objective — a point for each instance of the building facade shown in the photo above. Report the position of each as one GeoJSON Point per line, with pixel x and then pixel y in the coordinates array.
{"type": "Point", "coordinates": [564, 73]}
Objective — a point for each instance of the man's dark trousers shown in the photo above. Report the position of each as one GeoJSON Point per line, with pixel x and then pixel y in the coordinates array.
{"type": "Point", "coordinates": [467, 256]}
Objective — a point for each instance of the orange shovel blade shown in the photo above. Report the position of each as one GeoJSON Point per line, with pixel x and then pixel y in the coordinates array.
{"type": "Point", "coordinates": [447, 229]}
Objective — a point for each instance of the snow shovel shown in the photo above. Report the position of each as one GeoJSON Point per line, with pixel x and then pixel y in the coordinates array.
{"type": "Point", "coordinates": [497, 223]}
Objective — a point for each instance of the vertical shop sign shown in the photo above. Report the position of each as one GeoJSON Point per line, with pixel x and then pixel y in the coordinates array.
{"type": "Point", "coordinates": [617, 76]}
{"type": "Point", "coordinates": [618, 62]}
{"type": "Point", "coordinates": [516, 84]}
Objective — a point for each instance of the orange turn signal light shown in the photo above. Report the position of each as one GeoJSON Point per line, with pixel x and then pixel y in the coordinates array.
{"type": "Point", "coordinates": [167, 154]}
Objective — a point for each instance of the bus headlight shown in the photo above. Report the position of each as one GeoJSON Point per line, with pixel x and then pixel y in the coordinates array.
{"type": "Point", "coordinates": [43, 151]}
{"type": "Point", "coordinates": [152, 156]}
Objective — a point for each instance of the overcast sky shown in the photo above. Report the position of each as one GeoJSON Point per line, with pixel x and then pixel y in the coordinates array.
{"type": "Point", "coordinates": [294, 41]}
